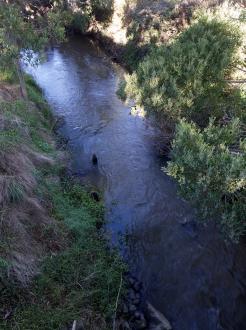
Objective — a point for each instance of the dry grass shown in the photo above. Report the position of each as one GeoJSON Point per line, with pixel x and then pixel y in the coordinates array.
{"type": "Point", "coordinates": [54, 263]}
{"type": "Point", "coordinates": [27, 232]}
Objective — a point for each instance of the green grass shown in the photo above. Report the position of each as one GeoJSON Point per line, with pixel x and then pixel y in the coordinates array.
{"type": "Point", "coordinates": [8, 139]}
{"type": "Point", "coordinates": [36, 121]}
{"type": "Point", "coordinates": [84, 277]}
{"type": "Point", "coordinates": [8, 76]}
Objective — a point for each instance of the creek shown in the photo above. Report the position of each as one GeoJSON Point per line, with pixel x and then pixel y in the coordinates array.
{"type": "Point", "coordinates": [189, 273]}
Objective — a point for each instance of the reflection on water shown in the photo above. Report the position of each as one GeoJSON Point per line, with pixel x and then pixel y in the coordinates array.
{"type": "Point", "coordinates": [189, 273]}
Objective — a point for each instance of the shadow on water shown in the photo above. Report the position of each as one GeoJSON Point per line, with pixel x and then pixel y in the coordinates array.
{"type": "Point", "coordinates": [189, 273]}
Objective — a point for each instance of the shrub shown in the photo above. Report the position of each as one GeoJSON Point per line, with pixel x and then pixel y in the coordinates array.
{"type": "Point", "coordinates": [121, 90]}
{"type": "Point", "coordinates": [102, 9]}
{"type": "Point", "coordinates": [187, 78]}
{"type": "Point", "coordinates": [210, 166]}
{"type": "Point", "coordinates": [80, 22]}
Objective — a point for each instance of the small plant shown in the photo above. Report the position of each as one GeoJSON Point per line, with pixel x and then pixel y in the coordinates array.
{"type": "Point", "coordinates": [80, 22]}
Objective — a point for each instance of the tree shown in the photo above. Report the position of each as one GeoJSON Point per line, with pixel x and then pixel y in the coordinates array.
{"type": "Point", "coordinates": [23, 31]}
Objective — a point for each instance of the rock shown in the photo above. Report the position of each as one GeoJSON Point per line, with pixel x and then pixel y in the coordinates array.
{"type": "Point", "coordinates": [80, 325]}
{"type": "Point", "coordinates": [131, 294]}
{"type": "Point", "coordinates": [137, 286]}
{"type": "Point", "coordinates": [59, 122]}
{"type": "Point", "coordinates": [140, 324]}
{"type": "Point", "coordinates": [94, 159]}
{"type": "Point", "coordinates": [125, 326]}
{"type": "Point", "coordinates": [136, 301]}
{"type": "Point", "coordinates": [132, 308]}
{"type": "Point", "coordinates": [134, 283]}
{"type": "Point", "coordinates": [157, 320]}
{"type": "Point", "coordinates": [131, 281]}
{"type": "Point", "coordinates": [95, 196]}
{"type": "Point", "coordinates": [138, 315]}
{"type": "Point", "coordinates": [124, 309]}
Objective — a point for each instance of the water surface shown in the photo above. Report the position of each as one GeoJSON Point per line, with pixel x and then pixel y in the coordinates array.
{"type": "Point", "coordinates": [189, 273]}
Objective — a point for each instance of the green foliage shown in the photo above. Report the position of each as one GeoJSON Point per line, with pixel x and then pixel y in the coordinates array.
{"type": "Point", "coordinates": [35, 95]}
{"type": "Point", "coordinates": [187, 78]}
{"type": "Point", "coordinates": [89, 11]}
{"type": "Point", "coordinates": [22, 33]}
{"type": "Point", "coordinates": [16, 34]}
{"type": "Point", "coordinates": [8, 75]}
{"type": "Point", "coordinates": [133, 54]}
{"type": "Point", "coordinates": [102, 9]}
{"type": "Point", "coordinates": [9, 138]}
{"type": "Point", "coordinates": [121, 90]}
{"type": "Point", "coordinates": [210, 166]}
{"type": "Point", "coordinates": [84, 278]}
{"type": "Point", "coordinates": [16, 191]}
{"type": "Point", "coordinates": [31, 126]}
{"type": "Point", "coordinates": [80, 22]}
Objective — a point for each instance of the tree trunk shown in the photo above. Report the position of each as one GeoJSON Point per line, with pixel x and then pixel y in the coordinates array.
{"type": "Point", "coordinates": [21, 80]}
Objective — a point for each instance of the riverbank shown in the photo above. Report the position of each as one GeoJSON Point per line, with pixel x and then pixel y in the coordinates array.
{"type": "Point", "coordinates": [182, 266]}
{"type": "Point", "coordinates": [57, 271]}
{"type": "Point", "coordinates": [186, 270]}
{"type": "Point", "coordinates": [164, 45]}
{"type": "Point", "coordinates": [55, 263]}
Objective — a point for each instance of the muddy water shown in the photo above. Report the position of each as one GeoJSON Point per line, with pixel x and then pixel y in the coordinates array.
{"type": "Point", "coordinates": [189, 273]}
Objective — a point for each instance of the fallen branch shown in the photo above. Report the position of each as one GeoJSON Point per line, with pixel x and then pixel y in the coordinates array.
{"type": "Point", "coordinates": [116, 303]}
{"type": "Point", "coordinates": [242, 81]}
{"type": "Point", "coordinates": [240, 69]}
{"type": "Point", "coordinates": [74, 325]}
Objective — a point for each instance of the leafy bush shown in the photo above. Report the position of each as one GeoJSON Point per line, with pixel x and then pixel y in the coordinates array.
{"type": "Point", "coordinates": [187, 78]}
{"type": "Point", "coordinates": [210, 166]}
{"type": "Point", "coordinates": [102, 9]}
{"type": "Point", "coordinates": [121, 90]}
{"type": "Point", "coordinates": [81, 281]}
{"type": "Point", "coordinates": [80, 22]}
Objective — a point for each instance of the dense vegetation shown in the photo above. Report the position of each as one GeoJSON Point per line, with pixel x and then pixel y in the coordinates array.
{"type": "Point", "coordinates": [197, 81]}
{"type": "Point", "coordinates": [55, 265]}
{"type": "Point", "coordinates": [26, 27]}
{"type": "Point", "coordinates": [187, 78]}
{"type": "Point", "coordinates": [79, 276]}
{"type": "Point", "coordinates": [210, 167]}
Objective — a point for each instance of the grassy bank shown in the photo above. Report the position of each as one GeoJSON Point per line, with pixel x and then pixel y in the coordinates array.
{"type": "Point", "coordinates": [55, 266]}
